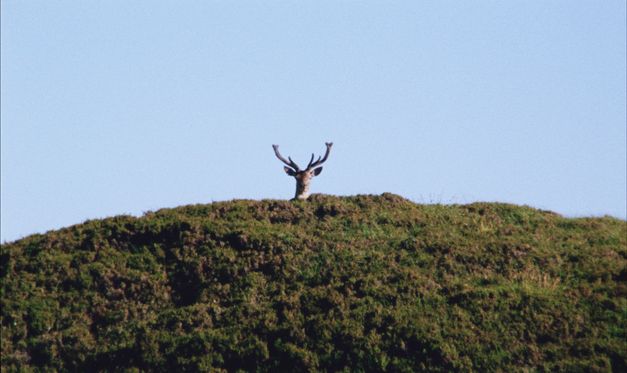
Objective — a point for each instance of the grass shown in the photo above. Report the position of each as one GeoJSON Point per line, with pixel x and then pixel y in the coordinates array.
{"type": "Point", "coordinates": [362, 283]}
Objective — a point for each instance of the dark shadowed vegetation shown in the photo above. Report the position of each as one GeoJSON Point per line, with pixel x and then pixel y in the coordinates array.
{"type": "Point", "coordinates": [364, 283]}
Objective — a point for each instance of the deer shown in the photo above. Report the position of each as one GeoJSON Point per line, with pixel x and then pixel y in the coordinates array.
{"type": "Point", "coordinates": [303, 177]}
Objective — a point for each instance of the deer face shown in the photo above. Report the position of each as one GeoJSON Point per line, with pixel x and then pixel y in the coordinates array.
{"type": "Point", "coordinates": [303, 177]}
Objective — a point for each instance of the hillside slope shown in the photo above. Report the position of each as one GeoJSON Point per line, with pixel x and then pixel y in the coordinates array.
{"type": "Point", "coordinates": [363, 283]}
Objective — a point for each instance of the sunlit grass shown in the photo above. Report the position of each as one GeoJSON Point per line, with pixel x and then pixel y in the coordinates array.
{"type": "Point", "coordinates": [361, 283]}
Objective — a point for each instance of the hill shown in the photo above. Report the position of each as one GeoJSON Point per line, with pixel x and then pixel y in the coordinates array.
{"type": "Point", "coordinates": [362, 283]}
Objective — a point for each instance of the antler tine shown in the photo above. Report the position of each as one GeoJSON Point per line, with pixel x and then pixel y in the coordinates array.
{"type": "Point", "coordinates": [290, 163]}
{"type": "Point", "coordinates": [321, 161]}
{"type": "Point", "coordinates": [310, 161]}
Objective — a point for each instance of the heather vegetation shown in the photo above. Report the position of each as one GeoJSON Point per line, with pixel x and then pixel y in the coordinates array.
{"type": "Point", "coordinates": [363, 283]}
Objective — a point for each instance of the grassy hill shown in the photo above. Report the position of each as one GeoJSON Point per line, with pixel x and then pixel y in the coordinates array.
{"type": "Point", "coordinates": [363, 283]}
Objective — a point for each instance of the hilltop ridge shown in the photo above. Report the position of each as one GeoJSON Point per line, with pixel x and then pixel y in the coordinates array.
{"type": "Point", "coordinates": [358, 283]}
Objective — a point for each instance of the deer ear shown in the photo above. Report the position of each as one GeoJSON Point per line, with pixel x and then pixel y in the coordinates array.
{"type": "Point", "coordinates": [317, 171]}
{"type": "Point", "coordinates": [289, 171]}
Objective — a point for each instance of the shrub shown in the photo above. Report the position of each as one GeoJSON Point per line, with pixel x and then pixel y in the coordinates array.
{"type": "Point", "coordinates": [361, 283]}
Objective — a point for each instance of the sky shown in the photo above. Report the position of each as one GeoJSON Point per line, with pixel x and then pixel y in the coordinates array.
{"type": "Point", "coordinates": [118, 107]}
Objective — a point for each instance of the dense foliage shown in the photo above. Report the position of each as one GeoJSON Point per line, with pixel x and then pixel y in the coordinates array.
{"type": "Point", "coordinates": [364, 283]}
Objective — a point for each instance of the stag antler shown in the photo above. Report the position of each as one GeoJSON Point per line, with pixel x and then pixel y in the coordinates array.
{"type": "Point", "coordinates": [320, 161]}
{"type": "Point", "coordinates": [290, 163]}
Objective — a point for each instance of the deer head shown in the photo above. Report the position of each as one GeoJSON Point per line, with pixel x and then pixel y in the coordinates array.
{"type": "Point", "coordinates": [303, 177]}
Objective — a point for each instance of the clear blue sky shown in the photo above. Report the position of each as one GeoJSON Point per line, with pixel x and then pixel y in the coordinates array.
{"type": "Point", "coordinates": [122, 107]}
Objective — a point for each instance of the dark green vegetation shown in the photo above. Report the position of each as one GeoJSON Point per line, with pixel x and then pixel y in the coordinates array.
{"type": "Point", "coordinates": [365, 283]}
